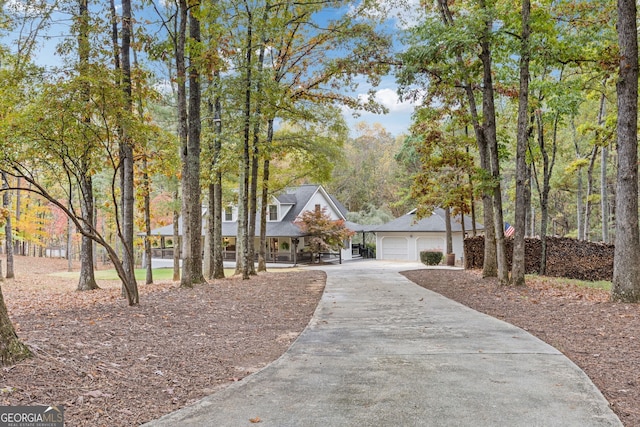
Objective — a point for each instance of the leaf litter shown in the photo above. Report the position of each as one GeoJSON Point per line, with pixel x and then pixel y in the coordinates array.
{"type": "Point", "coordinates": [114, 365]}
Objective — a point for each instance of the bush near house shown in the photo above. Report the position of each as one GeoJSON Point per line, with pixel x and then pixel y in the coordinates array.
{"type": "Point", "coordinates": [430, 257]}
{"type": "Point", "coordinates": [570, 258]}
{"type": "Point", "coordinates": [322, 234]}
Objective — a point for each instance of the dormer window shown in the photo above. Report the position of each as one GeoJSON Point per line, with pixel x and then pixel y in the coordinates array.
{"type": "Point", "coordinates": [273, 213]}
{"type": "Point", "coordinates": [228, 213]}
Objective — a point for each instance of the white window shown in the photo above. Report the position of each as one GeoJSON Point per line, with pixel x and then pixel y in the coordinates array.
{"type": "Point", "coordinates": [273, 213]}
{"type": "Point", "coordinates": [228, 213]}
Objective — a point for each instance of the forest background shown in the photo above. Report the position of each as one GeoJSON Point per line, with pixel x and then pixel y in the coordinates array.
{"type": "Point", "coordinates": [158, 108]}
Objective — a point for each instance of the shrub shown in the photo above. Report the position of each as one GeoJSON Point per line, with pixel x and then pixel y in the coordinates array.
{"type": "Point", "coordinates": [430, 257]}
{"type": "Point", "coordinates": [372, 249]}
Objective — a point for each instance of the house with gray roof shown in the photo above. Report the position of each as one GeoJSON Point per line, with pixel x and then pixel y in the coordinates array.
{"type": "Point", "coordinates": [405, 237]}
{"type": "Point", "coordinates": [285, 240]}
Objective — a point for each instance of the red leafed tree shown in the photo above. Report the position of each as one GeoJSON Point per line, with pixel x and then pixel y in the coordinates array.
{"type": "Point", "coordinates": [321, 232]}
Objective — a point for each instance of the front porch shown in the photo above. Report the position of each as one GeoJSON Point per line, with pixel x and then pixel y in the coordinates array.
{"type": "Point", "coordinates": [279, 250]}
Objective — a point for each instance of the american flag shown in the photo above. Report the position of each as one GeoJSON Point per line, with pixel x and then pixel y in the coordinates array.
{"type": "Point", "coordinates": [508, 230]}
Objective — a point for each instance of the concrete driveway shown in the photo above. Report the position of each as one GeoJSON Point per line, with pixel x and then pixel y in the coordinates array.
{"type": "Point", "coordinates": [381, 351]}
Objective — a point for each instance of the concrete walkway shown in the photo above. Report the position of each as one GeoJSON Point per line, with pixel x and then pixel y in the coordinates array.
{"type": "Point", "coordinates": [382, 351]}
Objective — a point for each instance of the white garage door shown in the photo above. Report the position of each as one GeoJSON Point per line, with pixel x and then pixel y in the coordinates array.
{"type": "Point", "coordinates": [429, 243]}
{"type": "Point", "coordinates": [394, 248]}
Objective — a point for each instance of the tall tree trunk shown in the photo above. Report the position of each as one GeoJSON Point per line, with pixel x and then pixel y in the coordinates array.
{"type": "Point", "coordinates": [544, 195]}
{"type": "Point", "coordinates": [242, 222]}
{"type": "Point", "coordinates": [207, 218]}
{"type": "Point", "coordinates": [124, 265]}
{"type": "Point", "coordinates": [191, 207]}
{"type": "Point", "coordinates": [472, 203]}
{"type": "Point", "coordinates": [544, 188]}
{"type": "Point", "coordinates": [490, 263]}
{"type": "Point", "coordinates": [255, 156]}
{"type": "Point", "coordinates": [489, 125]}
{"type": "Point", "coordinates": [262, 255]}
{"type": "Point", "coordinates": [8, 229]}
{"type": "Point", "coordinates": [18, 217]}
{"type": "Point", "coordinates": [253, 202]}
{"type": "Point", "coordinates": [518, 262]}
{"type": "Point", "coordinates": [146, 188]}
{"type": "Point", "coordinates": [128, 196]}
{"type": "Point", "coordinates": [447, 225]}
{"type": "Point", "coordinates": [587, 204]}
{"type": "Point", "coordinates": [243, 234]}
{"type": "Point", "coordinates": [217, 241]}
{"type": "Point", "coordinates": [114, 34]}
{"type": "Point", "coordinates": [216, 267]}
{"type": "Point", "coordinates": [211, 270]}
{"type": "Point", "coordinates": [530, 220]}
{"type": "Point", "coordinates": [87, 280]}
{"type": "Point", "coordinates": [177, 244]}
{"type": "Point", "coordinates": [626, 262]}
{"type": "Point", "coordinates": [604, 197]}
{"type": "Point", "coordinates": [11, 349]}
{"type": "Point", "coordinates": [93, 242]}
{"type": "Point", "coordinates": [181, 83]}
{"type": "Point", "coordinates": [579, 184]}
{"type": "Point", "coordinates": [69, 251]}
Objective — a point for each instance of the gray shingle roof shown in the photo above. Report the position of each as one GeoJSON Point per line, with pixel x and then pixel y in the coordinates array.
{"type": "Point", "coordinates": [296, 196]}
{"type": "Point", "coordinates": [433, 223]}
{"type": "Point", "coordinates": [287, 199]}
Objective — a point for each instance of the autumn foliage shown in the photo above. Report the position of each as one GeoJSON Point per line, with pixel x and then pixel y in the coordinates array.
{"type": "Point", "coordinates": [322, 234]}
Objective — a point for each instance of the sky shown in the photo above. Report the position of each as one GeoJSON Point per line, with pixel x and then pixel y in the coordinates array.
{"type": "Point", "coordinates": [398, 118]}
{"type": "Point", "coordinates": [399, 14]}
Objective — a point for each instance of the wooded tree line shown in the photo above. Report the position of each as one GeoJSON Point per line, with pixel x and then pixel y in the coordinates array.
{"type": "Point", "coordinates": [227, 100]}
{"type": "Point", "coordinates": [254, 86]}
{"type": "Point", "coordinates": [234, 100]}
{"type": "Point", "coordinates": [531, 108]}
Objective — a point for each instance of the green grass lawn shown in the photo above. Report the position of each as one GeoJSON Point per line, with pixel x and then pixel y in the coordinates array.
{"type": "Point", "coordinates": [600, 284]}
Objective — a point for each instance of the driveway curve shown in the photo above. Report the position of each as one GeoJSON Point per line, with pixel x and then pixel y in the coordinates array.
{"type": "Point", "coordinates": [381, 351]}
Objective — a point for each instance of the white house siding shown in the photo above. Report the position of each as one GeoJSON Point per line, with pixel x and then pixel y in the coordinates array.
{"type": "Point", "coordinates": [407, 246]}
{"type": "Point", "coordinates": [429, 243]}
{"type": "Point", "coordinates": [346, 253]}
{"type": "Point", "coordinates": [319, 199]}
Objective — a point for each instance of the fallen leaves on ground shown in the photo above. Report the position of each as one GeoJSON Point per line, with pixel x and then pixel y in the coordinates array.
{"type": "Point", "coordinates": [114, 365]}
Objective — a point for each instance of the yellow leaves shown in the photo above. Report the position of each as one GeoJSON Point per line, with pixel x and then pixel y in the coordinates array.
{"type": "Point", "coordinates": [576, 165]}
{"type": "Point", "coordinates": [4, 214]}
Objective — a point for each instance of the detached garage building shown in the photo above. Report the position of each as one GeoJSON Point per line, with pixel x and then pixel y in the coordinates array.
{"type": "Point", "coordinates": [404, 238]}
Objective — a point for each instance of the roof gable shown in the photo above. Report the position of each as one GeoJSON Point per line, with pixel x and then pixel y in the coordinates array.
{"type": "Point", "coordinates": [306, 197]}
{"type": "Point", "coordinates": [293, 202]}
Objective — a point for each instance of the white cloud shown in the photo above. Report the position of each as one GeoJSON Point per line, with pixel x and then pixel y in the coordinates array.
{"type": "Point", "coordinates": [396, 121]}
{"type": "Point", "coordinates": [389, 98]}
{"type": "Point", "coordinates": [28, 8]}
{"type": "Point", "coordinates": [404, 13]}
